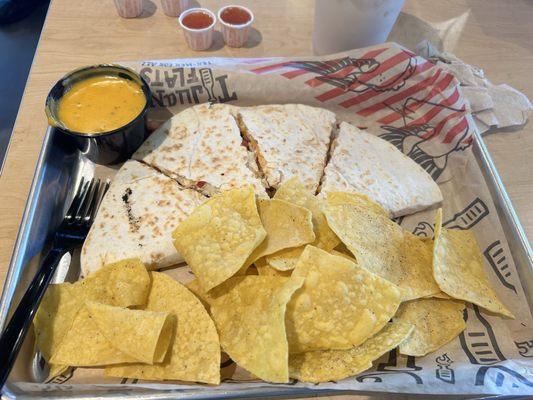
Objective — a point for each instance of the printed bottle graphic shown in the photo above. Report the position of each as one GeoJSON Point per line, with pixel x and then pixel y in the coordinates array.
{"type": "Point", "coordinates": [478, 340]}
{"type": "Point", "coordinates": [479, 344]}
{"type": "Point", "coordinates": [467, 218]}
{"type": "Point", "coordinates": [470, 216]}
{"type": "Point", "coordinates": [498, 261]}
{"type": "Point", "coordinates": [208, 83]}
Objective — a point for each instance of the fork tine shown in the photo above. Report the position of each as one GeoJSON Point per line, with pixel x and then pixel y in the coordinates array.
{"type": "Point", "coordinates": [78, 199]}
{"type": "Point", "coordinates": [102, 189]}
{"type": "Point", "coordinates": [86, 203]}
{"type": "Point", "coordinates": [93, 197]}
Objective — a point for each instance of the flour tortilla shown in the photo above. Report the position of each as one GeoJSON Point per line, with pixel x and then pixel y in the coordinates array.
{"type": "Point", "coordinates": [289, 140]}
{"type": "Point", "coordinates": [202, 147]}
{"type": "Point", "coordinates": [363, 163]}
{"type": "Point", "coordinates": [136, 219]}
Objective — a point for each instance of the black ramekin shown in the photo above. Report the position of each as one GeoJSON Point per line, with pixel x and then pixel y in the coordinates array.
{"type": "Point", "coordinates": [106, 147]}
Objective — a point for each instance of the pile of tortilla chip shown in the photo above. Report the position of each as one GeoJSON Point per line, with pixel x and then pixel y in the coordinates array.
{"type": "Point", "coordinates": [297, 286]}
{"type": "Point", "coordinates": [133, 322]}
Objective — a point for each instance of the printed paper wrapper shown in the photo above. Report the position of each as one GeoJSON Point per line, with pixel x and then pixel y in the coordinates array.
{"type": "Point", "coordinates": [419, 108]}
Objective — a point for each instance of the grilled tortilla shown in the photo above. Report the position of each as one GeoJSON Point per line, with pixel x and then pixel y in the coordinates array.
{"type": "Point", "coordinates": [201, 148]}
{"type": "Point", "coordinates": [363, 163]}
{"type": "Point", "coordinates": [288, 140]}
{"type": "Point", "coordinates": [136, 219]}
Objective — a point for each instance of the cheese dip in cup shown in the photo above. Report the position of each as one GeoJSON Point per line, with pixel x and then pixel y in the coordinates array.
{"type": "Point", "coordinates": [197, 25]}
{"type": "Point", "coordinates": [235, 22]}
{"type": "Point", "coordinates": [101, 110]}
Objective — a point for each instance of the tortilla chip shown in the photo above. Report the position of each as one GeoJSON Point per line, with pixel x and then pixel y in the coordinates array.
{"type": "Point", "coordinates": [122, 284]}
{"type": "Point", "coordinates": [287, 225]}
{"type": "Point", "coordinates": [194, 354]}
{"type": "Point", "coordinates": [205, 298]}
{"type": "Point", "coordinates": [440, 295]}
{"type": "Point", "coordinates": [249, 312]}
{"type": "Point", "coordinates": [341, 254]}
{"type": "Point", "coordinates": [358, 199]}
{"type": "Point", "coordinates": [285, 260]}
{"type": "Point", "coordinates": [334, 365]}
{"type": "Point", "coordinates": [219, 236]}
{"type": "Point", "coordinates": [418, 280]}
{"type": "Point", "coordinates": [436, 322]}
{"type": "Point", "coordinates": [459, 271]}
{"type": "Point", "coordinates": [380, 245]}
{"type": "Point", "coordinates": [266, 270]}
{"type": "Point", "coordinates": [295, 192]}
{"type": "Point", "coordinates": [339, 306]}
{"type": "Point", "coordinates": [103, 335]}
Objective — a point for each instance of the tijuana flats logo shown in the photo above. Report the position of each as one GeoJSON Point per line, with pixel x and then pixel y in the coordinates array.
{"type": "Point", "coordinates": [173, 86]}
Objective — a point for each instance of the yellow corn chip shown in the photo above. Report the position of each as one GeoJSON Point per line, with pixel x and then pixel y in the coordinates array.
{"type": "Point", "coordinates": [459, 271]}
{"type": "Point", "coordinates": [339, 306]}
{"type": "Point", "coordinates": [194, 354]}
{"type": "Point", "coordinates": [122, 284]}
{"type": "Point", "coordinates": [266, 270]}
{"type": "Point", "coordinates": [435, 321]}
{"type": "Point", "coordinates": [205, 298]}
{"type": "Point", "coordinates": [360, 200]}
{"type": "Point", "coordinates": [334, 365]}
{"type": "Point", "coordinates": [342, 254]}
{"type": "Point", "coordinates": [440, 295]}
{"type": "Point", "coordinates": [295, 192]}
{"type": "Point", "coordinates": [287, 225]}
{"type": "Point", "coordinates": [103, 335]}
{"type": "Point", "coordinates": [285, 260]}
{"type": "Point", "coordinates": [380, 245]}
{"type": "Point", "coordinates": [219, 236]}
{"type": "Point", "coordinates": [249, 312]}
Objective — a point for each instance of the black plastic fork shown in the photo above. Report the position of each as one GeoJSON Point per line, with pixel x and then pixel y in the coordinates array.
{"type": "Point", "coordinates": [70, 234]}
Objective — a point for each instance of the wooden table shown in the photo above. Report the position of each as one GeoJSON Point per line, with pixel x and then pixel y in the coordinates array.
{"type": "Point", "coordinates": [489, 34]}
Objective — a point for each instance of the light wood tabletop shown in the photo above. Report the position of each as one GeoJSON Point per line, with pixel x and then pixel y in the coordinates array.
{"type": "Point", "coordinates": [494, 36]}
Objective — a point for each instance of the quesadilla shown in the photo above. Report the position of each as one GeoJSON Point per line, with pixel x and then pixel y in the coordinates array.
{"type": "Point", "coordinates": [136, 219]}
{"type": "Point", "coordinates": [363, 163]}
{"type": "Point", "coordinates": [201, 148]}
{"type": "Point", "coordinates": [288, 140]}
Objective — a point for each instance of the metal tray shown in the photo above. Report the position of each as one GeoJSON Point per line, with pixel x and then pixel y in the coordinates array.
{"type": "Point", "coordinates": [59, 168]}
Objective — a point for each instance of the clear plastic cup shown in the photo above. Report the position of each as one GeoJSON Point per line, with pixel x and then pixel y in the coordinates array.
{"type": "Point", "coordinates": [349, 24]}
{"type": "Point", "coordinates": [235, 35]}
{"type": "Point", "coordinates": [173, 8]}
{"type": "Point", "coordinates": [129, 8]}
{"type": "Point", "coordinates": [198, 39]}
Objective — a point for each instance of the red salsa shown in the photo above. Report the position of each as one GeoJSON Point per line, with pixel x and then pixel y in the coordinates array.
{"type": "Point", "coordinates": [235, 16]}
{"type": "Point", "coordinates": [197, 20]}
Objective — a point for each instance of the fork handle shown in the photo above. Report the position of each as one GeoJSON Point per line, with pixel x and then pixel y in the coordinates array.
{"type": "Point", "coordinates": [17, 328]}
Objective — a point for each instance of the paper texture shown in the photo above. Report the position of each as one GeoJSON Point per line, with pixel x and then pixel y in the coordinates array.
{"type": "Point", "coordinates": [419, 108]}
{"type": "Point", "coordinates": [492, 106]}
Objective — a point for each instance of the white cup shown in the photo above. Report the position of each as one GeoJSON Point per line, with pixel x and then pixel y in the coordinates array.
{"type": "Point", "coordinates": [198, 39]}
{"type": "Point", "coordinates": [235, 35]}
{"type": "Point", "coordinates": [350, 24]}
{"type": "Point", "coordinates": [174, 8]}
{"type": "Point", "coordinates": [129, 8]}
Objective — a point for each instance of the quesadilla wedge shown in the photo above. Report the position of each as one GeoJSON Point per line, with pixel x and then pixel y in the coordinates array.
{"type": "Point", "coordinates": [201, 147]}
{"type": "Point", "coordinates": [136, 219]}
{"type": "Point", "coordinates": [288, 140]}
{"type": "Point", "coordinates": [363, 163]}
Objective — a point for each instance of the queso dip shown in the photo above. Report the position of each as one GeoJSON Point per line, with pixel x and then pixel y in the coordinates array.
{"type": "Point", "coordinates": [101, 104]}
